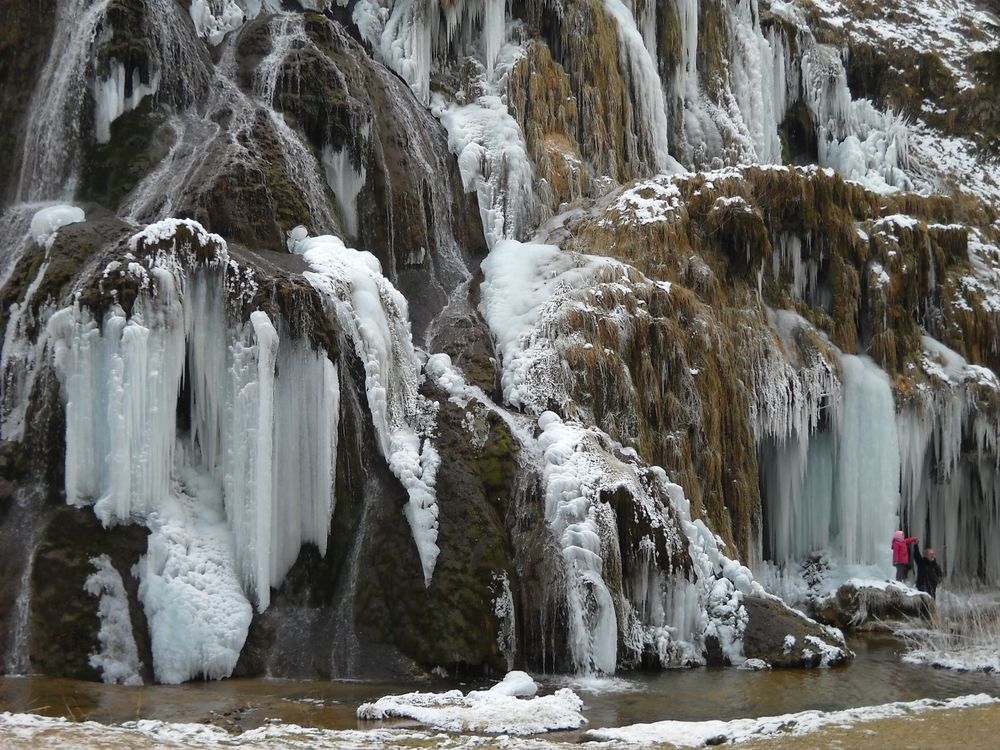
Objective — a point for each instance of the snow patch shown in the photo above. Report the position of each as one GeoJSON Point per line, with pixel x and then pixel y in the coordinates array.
{"type": "Point", "coordinates": [696, 733]}
{"type": "Point", "coordinates": [494, 711]}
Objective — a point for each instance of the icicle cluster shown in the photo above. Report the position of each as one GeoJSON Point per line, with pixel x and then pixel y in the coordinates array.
{"type": "Point", "coordinates": [231, 495]}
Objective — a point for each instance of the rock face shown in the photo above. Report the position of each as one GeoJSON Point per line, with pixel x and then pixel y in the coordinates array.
{"type": "Point", "coordinates": [401, 335]}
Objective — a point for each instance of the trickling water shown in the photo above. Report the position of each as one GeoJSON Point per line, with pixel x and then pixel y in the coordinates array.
{"type": "Point", "coordinates": [15, 239]}
{"type": "Point", "coordinates": [53, 136]}
{"type": "Point", "coordinates": [22, 539]}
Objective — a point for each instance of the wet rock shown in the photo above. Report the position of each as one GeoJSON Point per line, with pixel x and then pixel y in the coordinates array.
{"type": "Point", "coordinates": [784, 637]}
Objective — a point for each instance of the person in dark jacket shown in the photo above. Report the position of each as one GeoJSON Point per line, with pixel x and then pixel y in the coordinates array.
{"type": "Point", "coordinates": [929, 573]}
{"type": "Point", "coordinates": [901, 554]}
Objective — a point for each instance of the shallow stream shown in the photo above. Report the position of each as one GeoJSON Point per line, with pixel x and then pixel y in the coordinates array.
{"type": "Point", "coordinates": [876, 676]}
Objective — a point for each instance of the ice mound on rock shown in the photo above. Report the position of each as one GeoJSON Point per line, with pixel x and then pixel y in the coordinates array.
{"type": "Point", "coordinates": [499, 710]}
{"type": "Point", "coordinates": [49, 220]}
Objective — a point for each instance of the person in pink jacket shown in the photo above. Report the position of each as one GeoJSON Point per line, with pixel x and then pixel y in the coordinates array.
{"type": "Point", "coordinates": [901, 554]}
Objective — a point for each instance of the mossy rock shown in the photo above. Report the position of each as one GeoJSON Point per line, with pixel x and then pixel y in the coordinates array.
{"type": "Point", "coordinates": [110, 171]}
{"type": "Point", "coordinates": [64, 621]}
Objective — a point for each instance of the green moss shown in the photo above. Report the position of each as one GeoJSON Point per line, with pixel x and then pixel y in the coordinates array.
{"type": "Point", "coordinates": [138, 142]}
{"type": "Point", "coordinates": [496, 463]}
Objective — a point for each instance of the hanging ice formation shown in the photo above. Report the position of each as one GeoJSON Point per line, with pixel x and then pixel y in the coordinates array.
{"type": "Point", "coordinates": [234, 486]}
{"type": "Point", "coordinates": [951, 492]}
{"type": "Point", "coordinates": [374, 316]}
{"type": "Point", "coordinates": [830, 457]}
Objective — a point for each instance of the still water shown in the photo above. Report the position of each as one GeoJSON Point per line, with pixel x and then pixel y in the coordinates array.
{"type": "Point", "coordinates": [876, 676]}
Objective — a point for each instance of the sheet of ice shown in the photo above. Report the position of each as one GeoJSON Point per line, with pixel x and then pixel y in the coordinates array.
{"type": "Point", "coordinates": [494, 711]}
{"type": "Point", "coordinates": [374, 316]}
{"type": "Point", "coordinates": [697, 733]}
{"type": "Point", "coordinates": [835, 488]}
{"type": "Point", "coordinates": [118, 659]}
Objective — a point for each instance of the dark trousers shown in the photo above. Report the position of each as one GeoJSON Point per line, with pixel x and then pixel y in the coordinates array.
{"type": "Point", "coordinates": [901, 571]}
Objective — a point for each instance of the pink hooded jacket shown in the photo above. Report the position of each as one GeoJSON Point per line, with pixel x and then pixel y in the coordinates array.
{"type": "Point", "coordinates": [901, 548]}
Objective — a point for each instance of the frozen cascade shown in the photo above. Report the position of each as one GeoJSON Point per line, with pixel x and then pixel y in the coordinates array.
{"type": "Point", "coordinates": [208, 496]}
{"type": "Point", "coordinates": [494, 31]}
{"type": "Point", "coordinates": [406, 43]}
{"type": "Point", "coordinates": [118, 658]}
{"type": "Point", "coordinates": [758, 79]}
{"type": "Point", "coordinates": [651, 116]}
{"type": "Point", "coordinates": [740, 123]}
{"type": "Point", "coordinates": [854, 138]}
{"type": "Point", "coordinates": [492, 155]}
{"type": "Point", "coordinates": [571, 513]}
{"type": "Point", "coordinates": [213, 19]}
{"type": "Point", "coordinates": [866, 484]}
{"type": "Point", "coordinates": [950, 499]}
{"type": "Point", "coordinates": [418, 31]}
{"type": "Point", "coordinates": [526, 290]}
{"type": "Point", "coordinates": [374, 316]}
{"type": "Point", "coordinates": [833, 487]}
{"type": "Point", "coordinates": [494, 162]}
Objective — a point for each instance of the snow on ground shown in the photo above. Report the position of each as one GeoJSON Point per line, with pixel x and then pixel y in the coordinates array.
{"type": "Point", "coordinates": [963, 637]}
{"type": "Point", "coordinates": [25, 729]}
{"type": "Point", "coordinates": [696, 733]}
{"type": "Point", "coordinates": [950, 29]}
{"type": "Point", "coordinates": [951, 162]}
{"type": "Point", "coordinates": [499, 710]}
{"type": "Point", "coordinates": [37, 731]}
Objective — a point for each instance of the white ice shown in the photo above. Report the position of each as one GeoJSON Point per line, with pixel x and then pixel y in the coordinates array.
{"type": "Point", "coordinates": [495, 711]}
{"type": "Point", "coordinates": [374, 316]}
{"type": "Point", "coordinates": [697, 733]}
{"type": "Point", "coordinates": [118, 659]}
